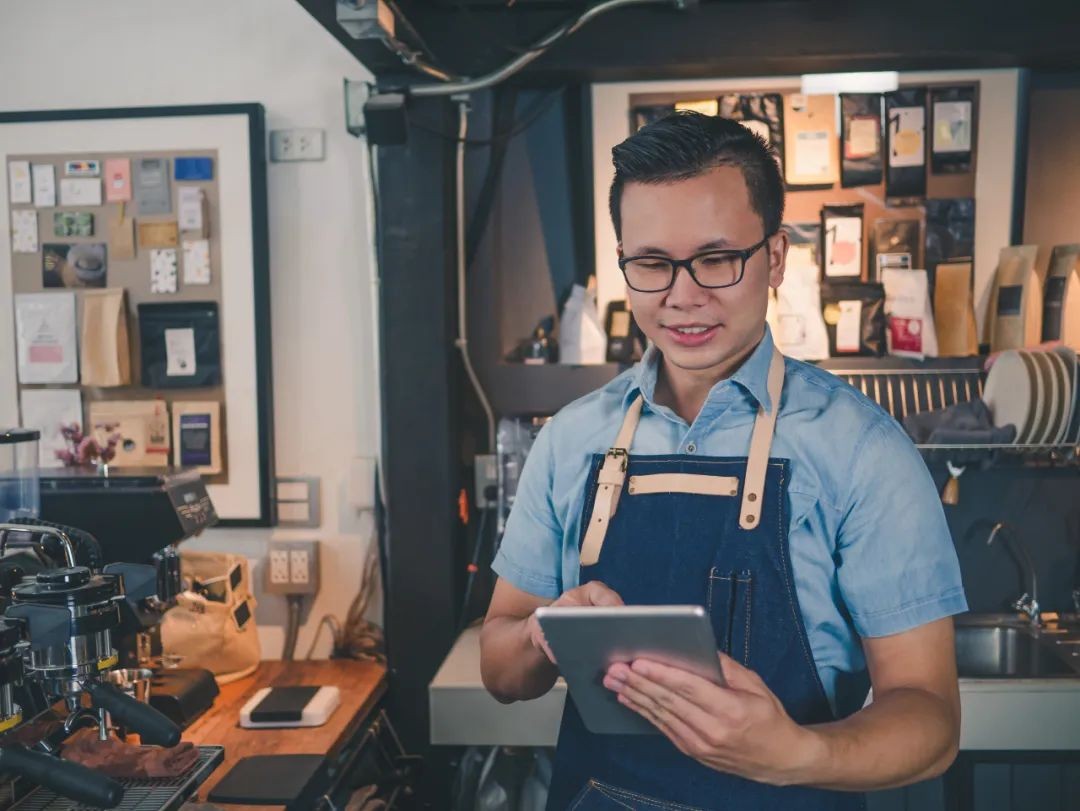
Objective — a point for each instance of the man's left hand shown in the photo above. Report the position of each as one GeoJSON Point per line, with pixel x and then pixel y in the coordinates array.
{"type": "Point", "coordinates": [741, 728]}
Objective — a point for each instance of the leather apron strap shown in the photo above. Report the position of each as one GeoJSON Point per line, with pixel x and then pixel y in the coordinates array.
{"type": "Point", "coordinates": [613, 472]}
{"type": "Point", "coordinates": [760, 444]}
{"type": "Point", "coordinates": [611, 478]}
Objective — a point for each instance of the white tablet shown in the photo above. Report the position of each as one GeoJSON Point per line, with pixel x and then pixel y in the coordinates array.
{"type": "Point", "coordinates": [586, 641]}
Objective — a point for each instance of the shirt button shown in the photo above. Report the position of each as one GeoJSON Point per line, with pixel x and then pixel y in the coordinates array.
{"type": "Point", "coordinates": [691, 448]}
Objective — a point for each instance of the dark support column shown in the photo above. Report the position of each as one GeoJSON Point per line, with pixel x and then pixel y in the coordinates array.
{"type": "Point", "coordinates": [420, 404]}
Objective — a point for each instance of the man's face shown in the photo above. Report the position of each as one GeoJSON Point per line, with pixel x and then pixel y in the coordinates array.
{"type": "Point", "coordinates": [678, 220]}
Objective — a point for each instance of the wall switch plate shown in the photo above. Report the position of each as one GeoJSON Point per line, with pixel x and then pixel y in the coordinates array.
{"type": "Point", "coordinates": [294, 567]}
{"type": "Point", "coordinates": [297, 145]}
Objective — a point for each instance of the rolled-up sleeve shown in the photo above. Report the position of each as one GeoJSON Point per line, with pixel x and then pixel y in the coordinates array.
{"type": "Point", "coordinates": [530, 554]}
{"type": "Point", "coordinates": [897, 566]}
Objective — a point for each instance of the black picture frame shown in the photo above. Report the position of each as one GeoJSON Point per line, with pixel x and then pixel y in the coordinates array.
{"type": "Point", "coordinates": [265, 515]}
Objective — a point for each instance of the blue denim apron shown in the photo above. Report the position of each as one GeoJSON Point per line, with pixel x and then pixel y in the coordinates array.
{"type": "Point", "coordinates": [678, 533]}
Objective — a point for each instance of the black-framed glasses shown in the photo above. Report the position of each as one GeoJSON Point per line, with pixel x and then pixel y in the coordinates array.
{"type": "Point", "coordinates": [711, 269]}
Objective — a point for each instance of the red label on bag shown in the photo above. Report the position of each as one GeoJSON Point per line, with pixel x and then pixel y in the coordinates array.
{"type": "Point", "coordinates": [906, 333]}
{"type": "Point", "coordinates": [46, 353]}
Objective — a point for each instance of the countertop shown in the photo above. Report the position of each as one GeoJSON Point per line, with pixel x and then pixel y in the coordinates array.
{"type": "Point", "coordinates": [997, 714]}
{"type": "Point", "coordinates": [362, 684]}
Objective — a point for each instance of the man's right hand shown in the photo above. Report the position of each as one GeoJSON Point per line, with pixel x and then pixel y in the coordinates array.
{"type": "Point", "coordinates": [592, 593]}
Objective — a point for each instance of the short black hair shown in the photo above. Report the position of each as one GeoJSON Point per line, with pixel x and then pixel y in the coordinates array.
{"type": "Point", "coordinates": [686, 144]}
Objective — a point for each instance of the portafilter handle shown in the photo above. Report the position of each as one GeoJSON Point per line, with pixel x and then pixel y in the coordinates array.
{"type": "Point", "coordinates": [31, 535]}
{"type": "Point", "coordinates": [151, 725]}
{"type": "Point", "coordinates": [72, 780]}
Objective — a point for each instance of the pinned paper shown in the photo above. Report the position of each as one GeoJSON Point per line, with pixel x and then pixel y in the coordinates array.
{"type": "Point", "coordinates": [80, 191]}
{"type": "Point", "coordinates": [44, 185]}
{"type": "Point", "coordinates": [122, 237]}
{"type": "Point", "coordinates": [152, 187]}
{"type": "Point", "coordinates": [85, 168]}
{"type": "Point", "coordinates": [163, 270]}
{"type": "Point", "coordinates": [45, 410]}
{"type": "Point", "coordinates": [24, 231]}
{"type": "Point", "coordinates": [45, 338]}
{"type": "Point", "coordinates": [158, 235]}
{"type": "Point", "coordinates": [848, 326]}
{"type": "Point", "coordinates": [863, 137]}
{"type": "Point", "coordinates": [193, 168]}
{"type": "Point", "coordinates": [73, 223]}
{"type": "Point", "coordinates": [180, 352]}
{"type": "Point", "coordinates": [190, 209]}
{"type": "Point", "coordinates": [20, 185]}
{"type": "Point", "coordinates": [813, 155]}
{"type": "Point", "coordinates": [117, 180]}
{"type": "Point", "coordinates": [907, 143]}
{"type": "Point", "coordinates": [952, 126]}
{"type": "Point", "coordinates": [197, 261]}
{"type": "Point", "coordinates": [843, 246]}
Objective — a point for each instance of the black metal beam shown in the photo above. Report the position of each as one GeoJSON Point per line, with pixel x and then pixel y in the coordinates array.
{"type": "Point", "coordinates": [766, 37]}
{"type": "Point", "coordinates": [420, 410]}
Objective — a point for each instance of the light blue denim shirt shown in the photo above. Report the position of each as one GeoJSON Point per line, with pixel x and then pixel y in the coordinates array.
{"type": "Point", "coordinates": [870, 549]}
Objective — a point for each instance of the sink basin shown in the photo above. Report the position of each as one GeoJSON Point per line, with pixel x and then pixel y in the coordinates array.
{"type": "Point", "coordinates": [1002, 652]}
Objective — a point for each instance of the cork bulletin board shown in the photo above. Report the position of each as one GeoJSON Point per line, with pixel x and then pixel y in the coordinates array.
{"type": "Point", "coordinates": [167, 205]}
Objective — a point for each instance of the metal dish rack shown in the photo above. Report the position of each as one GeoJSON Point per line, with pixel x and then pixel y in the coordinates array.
{"type": "Point", "coordinates": [150, 794]}
{"type": "Point", "coordinates": [912, 391]}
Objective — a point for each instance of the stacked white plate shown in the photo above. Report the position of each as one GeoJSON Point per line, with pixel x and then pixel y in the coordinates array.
{"type": "Point", "coordinates": [1036, 391]}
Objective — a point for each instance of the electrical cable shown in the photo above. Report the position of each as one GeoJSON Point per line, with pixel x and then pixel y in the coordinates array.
{"type": "Point", "coordinates": [462, 341]}
{"type": "Point", "coordinates": [541, 45]}
{"type": "Point", "coordinates": [473, 568]}
{"type": "Point", "coordinates": [330, 621]}
{"type": "Point", "coordinates": [292, 628]}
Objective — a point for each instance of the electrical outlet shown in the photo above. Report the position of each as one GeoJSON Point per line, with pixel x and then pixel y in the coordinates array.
{"type": "Point", "coordinates": [294, 567]}
{"type": "Point", "coordinates": [299, 573]}
{"type": "Point", "coordinates": [297, 145]}
{"type": "Point", "coordinates": [279, 567]}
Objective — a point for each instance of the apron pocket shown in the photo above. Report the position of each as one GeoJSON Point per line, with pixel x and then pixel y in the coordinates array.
{"type": "Point", "coordinates": [729, 598]}
{"type": "Point", "coordinates": [597, 796]}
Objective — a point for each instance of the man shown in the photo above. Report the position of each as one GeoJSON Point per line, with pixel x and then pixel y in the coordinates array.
{"type": "Point", "coordinates": [828, 567]}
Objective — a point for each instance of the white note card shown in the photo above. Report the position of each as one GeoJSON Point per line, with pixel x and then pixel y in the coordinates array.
{"type": "Point", "coordinates": [24, 231]}
{"type": "Point", "coordinates": [197, 261]}
{"type": "Point", "coordinates": [190, 214]}
{"type": "Point", "coordinates": [44, 185]}
{"type": "Point", "coordinates": [163, 270]}
{"type": "Point", "coordinates": [80, 191]}
{"type": "Point", "coordinates": [180, 352]}
{"type": "Point", "coordinates": [20, 186]}
{"type": "Point", "coordinates": [812, 155]}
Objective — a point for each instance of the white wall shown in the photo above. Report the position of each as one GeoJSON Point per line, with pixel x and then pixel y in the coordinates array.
{"type": "Point", "coordinates": [124, 53]}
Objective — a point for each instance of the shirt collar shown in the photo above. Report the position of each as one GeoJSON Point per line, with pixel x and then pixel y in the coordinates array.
{"type": "Point", "coordinates": [752, 376]}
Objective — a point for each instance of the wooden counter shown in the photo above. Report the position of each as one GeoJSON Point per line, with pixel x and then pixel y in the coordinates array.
{"type": "Point", "coordinates": [362, 684]}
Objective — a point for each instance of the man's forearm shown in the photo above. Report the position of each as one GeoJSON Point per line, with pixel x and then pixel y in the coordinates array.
{"type": "Point", "coordinates": [513, 669]}
{"type": "Point", "coordinates": [904, 736]}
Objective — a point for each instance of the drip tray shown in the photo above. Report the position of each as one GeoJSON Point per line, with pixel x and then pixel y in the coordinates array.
{"type": "Point", "coordinates": [152, 794]}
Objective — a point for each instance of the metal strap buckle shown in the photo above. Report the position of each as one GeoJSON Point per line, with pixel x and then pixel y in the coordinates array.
{"type": "Point", "coordinates": [621, 455]}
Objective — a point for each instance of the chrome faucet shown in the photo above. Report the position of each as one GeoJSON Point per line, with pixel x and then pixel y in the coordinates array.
{"type": "Point", "coordinates": [1028, 602]}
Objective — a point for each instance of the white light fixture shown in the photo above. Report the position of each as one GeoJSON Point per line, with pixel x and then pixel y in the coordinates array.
{"type": "Point", "coordinates": [881, 81]}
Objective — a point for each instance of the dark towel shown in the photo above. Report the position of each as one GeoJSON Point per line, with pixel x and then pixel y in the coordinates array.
{"type": "Point", "coordinates": [969, 423]}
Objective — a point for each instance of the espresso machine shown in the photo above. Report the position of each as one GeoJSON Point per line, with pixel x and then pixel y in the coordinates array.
{"type": "Point", "coordinates": [75, 608]}
{"type": "Point", "coordinates": [140, 516]}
